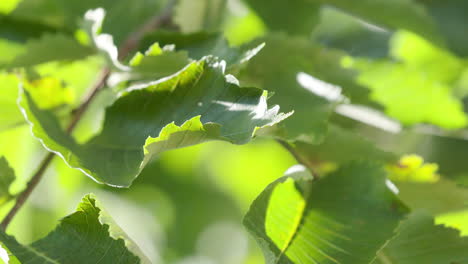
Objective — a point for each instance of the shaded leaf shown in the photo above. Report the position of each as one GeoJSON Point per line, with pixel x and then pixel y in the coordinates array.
{"type": "Point", "coordinates": [342, 146]}
{"type": "Point", "coordinates": [200, 44]}
{"type": "Point", "coordinates": [295, 16]}
{"type": "Point", "coordinates": [345, 32]}
{"type": "Point", "coordinates": [279, 67]}
{"type": "Point", "coordinates": [50, 48]}
{"type": "Point", "coordinates": [198, 104]}
{"type": "Point", "coordinates": [344, 217]}
{"type": "Point", "coordinates": [438, 197]}
{"type": "Point", "coordinates": [123, 17]}
{"type": "Point", "coordinates": [419, 240]}
{"type": "Point", "coordinates": [86, 236]}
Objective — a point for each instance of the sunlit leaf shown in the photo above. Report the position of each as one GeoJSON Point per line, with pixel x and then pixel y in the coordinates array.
{"type": "Point", "coordinates": [414, 82]}
{"type": "Point", "coordinates": [343, 218]}
{"type": "Point", "coordinates": [198, 104]}
{"type": "Point", "coordinates": [88, 235]}
{"type": "Point", "coordinates": [200, 44]}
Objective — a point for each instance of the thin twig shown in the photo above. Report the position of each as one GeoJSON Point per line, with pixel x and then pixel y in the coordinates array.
{"type": "Point", "coordinates": [152, 24]}
{"type": "Point", "coordinates": [129, 45]}
{"type": "Point", "coordinates": [298, 157]}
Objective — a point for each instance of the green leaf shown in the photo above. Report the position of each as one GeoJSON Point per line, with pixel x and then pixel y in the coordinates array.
{"type": "Point", "coordinates": [300, 16]}
{"type": "Point", "coordinates": [342, 146]}
{"type": "Point", "coordinates": [279, 68]}
{"type": "Point", "coordinates": [200, 44]}
{"type": "Point", "coordinates": [449, 17]}
{"type": "Point", "coordinates": [50, 48]}
{"type": "Point", "coordinates": [192, 16]}
{"type": "Point", "coordinates": [198, 104]}
{"type": "Point", "coordinates": [48, 91]}
{"type": "Point", "coordinates": [415, 82]}
{"type": "Point", "coordinates": [419, 240]}
{"type": "Point", "coordinates": [439, 197]}
{"type": "Point", "coordinates": [7, 6]}
{"type": "Point", "coordinates": [343, 31]}
{"type": "Point", "coordinates": [7, 176]}
{"type": "Point", "coordinates": [86, 236]}
{"type": "Point", "coordinates": [123, 17]}
{"type": "Point", "coordinates": [345, 217]}
{"type": "Point", "coordinates": [295, 16]}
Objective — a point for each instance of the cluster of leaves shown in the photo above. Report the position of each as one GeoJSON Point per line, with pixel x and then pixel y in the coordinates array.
{"type": "Point", "coordinates": [357, 88]}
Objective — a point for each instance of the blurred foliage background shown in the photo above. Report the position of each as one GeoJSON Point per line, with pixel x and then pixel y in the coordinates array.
{"type": "Point", "coordinates": [187, 206]}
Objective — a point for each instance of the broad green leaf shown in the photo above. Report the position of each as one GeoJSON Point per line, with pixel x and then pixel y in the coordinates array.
{"type": "Point", "coordinates": [280, 66]}
{"type": "Point", "coordinates": [419, 240]}
{"type": "Point", "coordinates": [200, 44]}
{"type": "Point", "coordinates": [196, 105]}
{"type": "Point", "coordinates": [86, 236]}
{"type": "Point", "coordinates": [7, 176]}
{"type": "Point", "coordinates": [50, 48]}
{"type": "Point", "coordinates": [345, 217]}
{"type": "Point", "coordinates": [415, 81]}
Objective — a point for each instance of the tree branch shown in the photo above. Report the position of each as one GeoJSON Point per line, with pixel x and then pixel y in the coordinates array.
{"type": "Point", "coordinates": [128, 46]}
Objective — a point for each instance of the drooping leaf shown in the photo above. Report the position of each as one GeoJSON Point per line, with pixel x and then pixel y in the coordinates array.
{"type": "Point", "coordinates": [344, 217]}
{"type": "Point", "coordinates": [200, 44]}
{"type": "Point", "coordinates": [279, 67]}
{"type": "Point", "coordinates": [198, 104]}
{"type": "Point", "coordinates": [420, 241]}
{"type": "Point", "coordinates": [50, 48]}
{"type": "Point", "coordinates": [86, 236]}
{"type": "Point", "coordinates": [7, 176]}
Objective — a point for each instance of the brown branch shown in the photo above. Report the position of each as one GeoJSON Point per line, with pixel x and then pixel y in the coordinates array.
{"type": "Point", "coordinates": [130, 44]}
{"type": "Point", "coordinates": [152, 24]}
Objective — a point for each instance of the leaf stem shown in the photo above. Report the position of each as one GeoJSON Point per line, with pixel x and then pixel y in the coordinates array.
{"type": "Point", "coordinates": [290, 148]}
{"type": "Point", "coordinates": [129, 45]}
